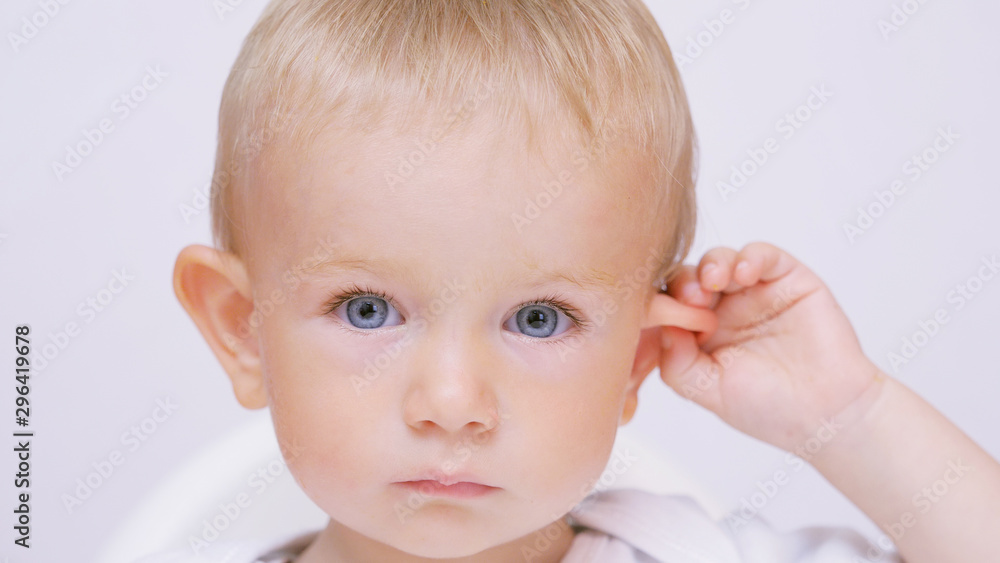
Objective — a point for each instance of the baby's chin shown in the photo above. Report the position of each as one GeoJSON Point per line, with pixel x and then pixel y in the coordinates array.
{"type": "Point", "coordinates": [447, 531]}
{"type": "Point", "coordinates": [445, 545]}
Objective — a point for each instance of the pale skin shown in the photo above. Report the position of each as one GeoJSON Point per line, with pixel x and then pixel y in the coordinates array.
{"type": "Point", "coordinates": [541, 417]}
{"type": "Point", "coordinates": [357, 410]}
{"type": "Point", "coordinates": [806, 366]}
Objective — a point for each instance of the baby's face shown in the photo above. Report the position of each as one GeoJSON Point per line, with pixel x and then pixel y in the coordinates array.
{"type": "Point", "coordinates": [444, 337]}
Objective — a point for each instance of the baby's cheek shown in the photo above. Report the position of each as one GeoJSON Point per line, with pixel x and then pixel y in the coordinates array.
{"type": "Point", "coordinates": [575, 449]}
{"type": "Point", "coordinates": [316, 437]}
{"type": "Point", "coordinates": [330, 466]}
{"type": "Point", "coordinates": [575, 481]}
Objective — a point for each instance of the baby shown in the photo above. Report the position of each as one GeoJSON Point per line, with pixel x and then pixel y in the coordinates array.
{"type": "Point", "coordinates": [449, 245]}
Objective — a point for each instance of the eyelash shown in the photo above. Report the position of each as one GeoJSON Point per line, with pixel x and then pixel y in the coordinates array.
{"type": "Point", "coordinates": [551, 300]}
{"type": "Point", "coordinates": [354, 290]}
{"type": "Point", "coordinates": [555, 301]}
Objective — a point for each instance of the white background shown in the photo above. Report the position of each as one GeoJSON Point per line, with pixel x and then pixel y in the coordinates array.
{"type": "Point", "coordinates": [61, 240]}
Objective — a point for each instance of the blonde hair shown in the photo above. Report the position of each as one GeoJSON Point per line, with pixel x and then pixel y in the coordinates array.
{"type": "Point", "coordinates": [598, 64]}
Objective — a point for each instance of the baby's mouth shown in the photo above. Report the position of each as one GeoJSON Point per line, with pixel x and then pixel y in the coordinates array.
{"type": "Point", "coordinates": [461, 489]}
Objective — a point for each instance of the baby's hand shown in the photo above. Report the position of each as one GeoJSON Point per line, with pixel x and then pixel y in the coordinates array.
{"type": "Point", "coordinates": [777, 359]}
{"type": "Point", "coordinates": [783, 359]}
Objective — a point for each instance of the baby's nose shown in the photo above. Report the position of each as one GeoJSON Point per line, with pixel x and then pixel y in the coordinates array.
{"type": "Point", "coordinates": [453, 386]}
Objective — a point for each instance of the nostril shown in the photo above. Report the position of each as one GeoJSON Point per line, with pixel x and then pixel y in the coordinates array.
{"type": "Point", "coordinates": [494, 420]}
{"type": "Point", "coordinates": [452, 400]}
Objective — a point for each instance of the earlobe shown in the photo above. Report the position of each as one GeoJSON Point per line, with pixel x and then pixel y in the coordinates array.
{"type": "Point", "coordinates": [647, 357]}
{"type": "Point", "coordinates": [213, 287]}
{"type": "Point", "coordinates": [662, 311]}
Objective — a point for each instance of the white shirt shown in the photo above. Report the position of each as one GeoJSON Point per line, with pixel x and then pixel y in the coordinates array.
{"type": "Point", "coordinates": [628, 526]}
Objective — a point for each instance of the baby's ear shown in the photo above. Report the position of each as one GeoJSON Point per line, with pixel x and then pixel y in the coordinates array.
{"type": "Point", "coordinates": [662, 311]}
{"type": "Point", "coordinates": [213, 287]}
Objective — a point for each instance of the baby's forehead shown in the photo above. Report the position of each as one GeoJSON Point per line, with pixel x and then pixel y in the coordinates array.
{"type": "Point", "coordinates": [485, 155]}
{"type": "Point", "coordinates": [476, 168]}
{"type": "Point", "coordinates": [417, 134]}
{"type": "Point", "coordinates": [474, 195]}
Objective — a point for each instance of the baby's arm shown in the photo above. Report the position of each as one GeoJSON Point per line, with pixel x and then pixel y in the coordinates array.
{"type": "Point", "coordinates": [916, 475]}
{"type": "Point", "coordinates": [784, 366]}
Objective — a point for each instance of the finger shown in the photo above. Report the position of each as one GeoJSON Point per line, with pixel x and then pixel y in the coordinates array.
{"type": "Point", "coordinates": [686, 288]}
{"type": "Point", "coordinates": [666, 311]}
{"type": "Point", "coordinates": [689, 371]}
{"type": "Point", "coordinates": [762, 262]}
{"type": "Point", "coordinates": [774, 282]}
{"type": "Point", "coordinates": [715, 270]}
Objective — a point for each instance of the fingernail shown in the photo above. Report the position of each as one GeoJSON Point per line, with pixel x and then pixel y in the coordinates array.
{"type": "Point", "coordinates": [691, 289]}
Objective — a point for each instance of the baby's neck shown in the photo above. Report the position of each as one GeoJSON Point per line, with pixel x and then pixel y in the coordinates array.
{"type": "Point", "coordinates": [340, 544]}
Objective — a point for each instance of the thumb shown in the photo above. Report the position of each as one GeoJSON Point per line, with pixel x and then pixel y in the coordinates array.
{"type": "Point", "coordinates": [665, 311]}
{"type": "Point", "coordinates": [684, 367]}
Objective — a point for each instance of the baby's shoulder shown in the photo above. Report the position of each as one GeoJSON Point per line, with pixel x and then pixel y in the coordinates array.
{"type": "Point", "coordinates": [672, 527]}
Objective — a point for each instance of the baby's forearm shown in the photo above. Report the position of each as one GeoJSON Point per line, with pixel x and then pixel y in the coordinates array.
{"type": "Point", "coordinates": [926, 484]}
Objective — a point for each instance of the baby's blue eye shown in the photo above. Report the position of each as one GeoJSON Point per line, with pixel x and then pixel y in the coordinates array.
{"type": "Point", "coordinates": [538, 321]}
{"type": "Point", "coordinates": [368, 309]}
{"type": "Point", "coordinates": [368, 312]}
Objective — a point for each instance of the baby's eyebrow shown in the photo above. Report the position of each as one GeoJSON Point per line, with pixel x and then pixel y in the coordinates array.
{"type": "Point", "coordinates": [345, 263]}
{"type": "Point", "coordinates": [587, 279]}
